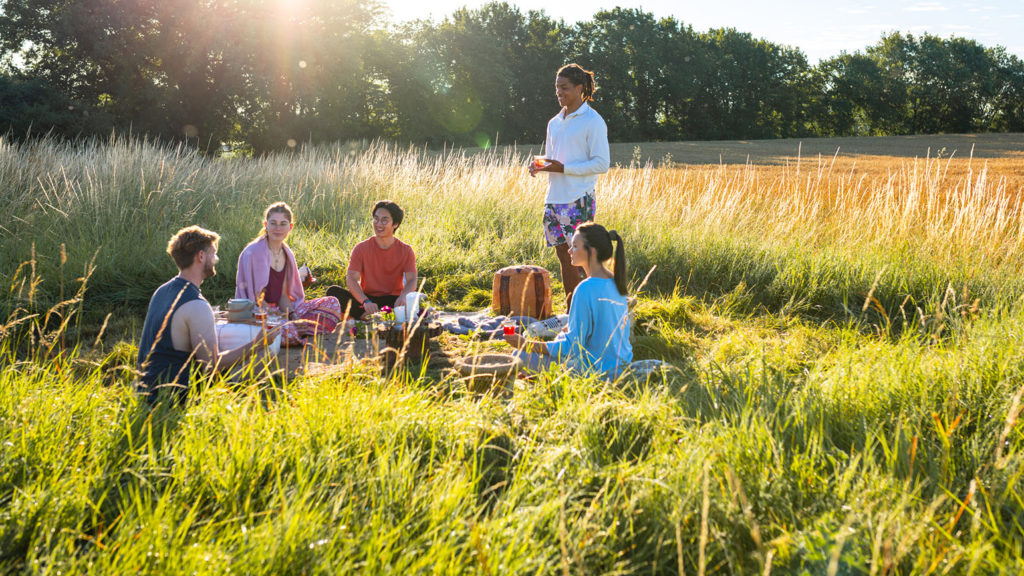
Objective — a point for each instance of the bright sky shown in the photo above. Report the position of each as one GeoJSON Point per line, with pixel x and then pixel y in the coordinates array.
{"type": "Point", "coordinates": [820, 29]}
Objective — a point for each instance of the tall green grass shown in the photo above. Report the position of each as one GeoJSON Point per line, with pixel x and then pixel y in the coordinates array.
{"type": "Point", "coordinates": [778, 447]}
{"type": "Point", "coordinates": [804, 235]}
{"type": "Point", "coordinates": [799, 430]}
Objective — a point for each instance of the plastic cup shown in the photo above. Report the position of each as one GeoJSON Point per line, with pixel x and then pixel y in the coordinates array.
{"type": "Point", "coordinates": [412, 305]}
{"type": "Point", "coordinates": [540, 161]}
{"type": "Point", "coordinates": [399, 314]}
{"type": "Point", "coordinates": [306, 276]}
{"type": "Point", "coordinates": [508, 328]}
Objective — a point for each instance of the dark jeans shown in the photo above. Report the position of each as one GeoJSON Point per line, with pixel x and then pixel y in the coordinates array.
{"type": "Point", "coordinates": [352, 307]}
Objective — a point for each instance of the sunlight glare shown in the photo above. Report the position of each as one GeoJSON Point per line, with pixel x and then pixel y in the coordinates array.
{"type": "Point", "coordinates": [293, 10]}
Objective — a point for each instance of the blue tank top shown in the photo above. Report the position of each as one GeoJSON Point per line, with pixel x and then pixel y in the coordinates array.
{"type": "Point", "coordinates": [158, 362]}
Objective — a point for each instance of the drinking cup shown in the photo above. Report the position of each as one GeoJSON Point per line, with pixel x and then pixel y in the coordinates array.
{"type": "Point", "coordinates": [412, 305]}
{"type": "Point", "coordinates": [399, 314]}
{"type": "Point", "coordinates": [540, 161]}
{"type": "Point", "coordinates": [509, 328]}
{"type": "Point", "coordinates": [306, 276]}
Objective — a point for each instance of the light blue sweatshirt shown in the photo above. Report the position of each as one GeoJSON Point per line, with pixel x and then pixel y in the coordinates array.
{"type": "Point", "coordinates": [598, 335]}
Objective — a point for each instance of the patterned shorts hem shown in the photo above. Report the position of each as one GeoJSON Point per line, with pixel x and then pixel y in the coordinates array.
{"type": "Point", "coordinates": [561, 220]}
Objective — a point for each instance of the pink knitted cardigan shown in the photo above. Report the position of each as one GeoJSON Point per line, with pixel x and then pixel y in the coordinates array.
{"type": "Point", "coordinates": [254, 272]}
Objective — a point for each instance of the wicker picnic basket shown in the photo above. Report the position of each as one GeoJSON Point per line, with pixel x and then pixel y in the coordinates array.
{"type": "Point", "coordinates": [488, 372]}
{"type": "Point", "coordinates": [522, 291]}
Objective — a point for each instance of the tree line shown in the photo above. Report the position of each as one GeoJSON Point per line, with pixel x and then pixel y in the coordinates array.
{"type": "Point", "coordinates": [264, 75]}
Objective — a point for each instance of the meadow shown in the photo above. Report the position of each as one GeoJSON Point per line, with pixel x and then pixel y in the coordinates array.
{"type": "Point", "coordinates": [844, 333]}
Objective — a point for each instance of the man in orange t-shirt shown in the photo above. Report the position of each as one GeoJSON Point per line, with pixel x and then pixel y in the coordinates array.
{"type": "Point", "coordinates": [381, 269]}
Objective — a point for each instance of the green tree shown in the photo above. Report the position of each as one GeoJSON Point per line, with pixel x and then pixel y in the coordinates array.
{"type": "Point", "coordinates": [753, 88]}
{"type": "Point", "coordinates": [307, 72]}
{"type": "Point", "coordinates": [477, 77]}
{"type": "Point", "coordinates": [894, 56]}
{"type": "Point", "coordinates": [485, 65]}
{"type": "Point", "coordinates": [941, 85]}
{"type": "Point", "coordinates": [1007, 108]}
{"type": "Point", "coordinates": [208, 71]}
{"type": "Point", "coordinates": [548, 48]}
{"type": "Point", "coordinates": [269, 75]}
{"type": "Point", "coordinates": [33, 106]}
{"type": "Point", "coordinates": [685, 64]}
{"type": "Point", "coordinates": [158, 67]}
{"type": "Point", "coordinates": [621, 45]}
{"type": "Point", "coordinates": [853, 97]}
{"type": "Point", "coordinates": [956, 78]}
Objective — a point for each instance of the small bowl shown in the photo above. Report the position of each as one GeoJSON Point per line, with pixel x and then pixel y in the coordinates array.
{"type": "Point", "coordinates": [488, 372]}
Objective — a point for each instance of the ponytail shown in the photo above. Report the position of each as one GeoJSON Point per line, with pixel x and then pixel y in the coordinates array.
{"type": "Point", "coordinates": [597, 237]}
{"type": "Point", "coordinates": [589, 87]}
{"type": "Point", "coordinates": [578, 76]}
{"type": "Point", "coordinates": [620, 262]}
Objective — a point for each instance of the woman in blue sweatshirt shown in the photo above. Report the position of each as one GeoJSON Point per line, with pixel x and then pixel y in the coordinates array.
{"type": "Point", "coordinates": [597, 337]}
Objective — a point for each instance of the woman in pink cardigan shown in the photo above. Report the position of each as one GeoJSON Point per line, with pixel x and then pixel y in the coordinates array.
{"type": "Point", "coordinates": [268, 273]}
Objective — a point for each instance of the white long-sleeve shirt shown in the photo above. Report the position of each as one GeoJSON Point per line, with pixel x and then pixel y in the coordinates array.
{"type": "Point", "coordinates": [580, 142]}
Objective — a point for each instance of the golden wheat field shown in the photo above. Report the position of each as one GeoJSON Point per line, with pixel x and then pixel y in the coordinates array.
{"type": "Point", "coordinates": [956, 201]}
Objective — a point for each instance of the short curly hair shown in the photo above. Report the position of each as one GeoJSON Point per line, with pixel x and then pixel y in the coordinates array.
{"type": "Point", "coordinates": [188, 242]}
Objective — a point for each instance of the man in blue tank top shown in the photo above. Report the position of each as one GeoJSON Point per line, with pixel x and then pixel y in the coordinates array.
{"type": "Point", "coordinates": [179, 335]}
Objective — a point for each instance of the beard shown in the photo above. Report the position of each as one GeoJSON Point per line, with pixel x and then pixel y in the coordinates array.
{"type": "Point", "coordinates": [209, 270]}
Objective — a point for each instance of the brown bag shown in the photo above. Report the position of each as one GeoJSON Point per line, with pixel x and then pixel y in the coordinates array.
{"type": "Point", "coordinates": [522, 291]}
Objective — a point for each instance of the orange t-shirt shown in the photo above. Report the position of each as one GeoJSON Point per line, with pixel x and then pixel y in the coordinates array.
{"type": "Point", "coordinates": [381, 272]}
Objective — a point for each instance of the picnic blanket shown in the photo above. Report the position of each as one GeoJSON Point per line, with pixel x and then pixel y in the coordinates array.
{"type": "Point", "coordinates": [491, 326]}
{"type": "Point", "coordinates": [463, 323]}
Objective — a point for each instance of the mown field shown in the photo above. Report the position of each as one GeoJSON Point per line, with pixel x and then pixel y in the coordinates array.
{"type": "Point", "coordinates": [844, 331]}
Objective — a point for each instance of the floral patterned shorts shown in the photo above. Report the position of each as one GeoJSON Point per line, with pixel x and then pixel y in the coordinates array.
{"type": "Point", "coordinates": [561, 220]}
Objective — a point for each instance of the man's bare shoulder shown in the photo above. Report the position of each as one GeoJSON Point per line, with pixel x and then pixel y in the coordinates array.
{"type": "Point", "coordinates": [197, 310]}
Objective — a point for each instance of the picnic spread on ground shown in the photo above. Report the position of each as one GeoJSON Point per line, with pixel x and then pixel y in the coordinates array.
{"type": "Point", "coordinates": [272, 314]}
{"type": "Point", "coordinates": [384, 320]}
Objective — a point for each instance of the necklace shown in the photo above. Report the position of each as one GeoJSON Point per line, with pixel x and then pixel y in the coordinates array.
{"type": "Point", "coordinates": [277, 258]}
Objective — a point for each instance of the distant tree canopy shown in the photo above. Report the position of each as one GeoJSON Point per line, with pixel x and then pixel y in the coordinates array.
{"type": "Point", "coordinates": [265, 75]}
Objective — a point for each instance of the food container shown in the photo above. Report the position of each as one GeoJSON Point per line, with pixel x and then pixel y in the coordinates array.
{"type": "Point", "coordinates": [240, 309]}
{"type": "Point", "coordinates": [486, 373]}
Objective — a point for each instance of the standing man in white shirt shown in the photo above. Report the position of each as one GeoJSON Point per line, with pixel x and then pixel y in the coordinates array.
{"type": "Point", "coordinates": [575, 152]}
